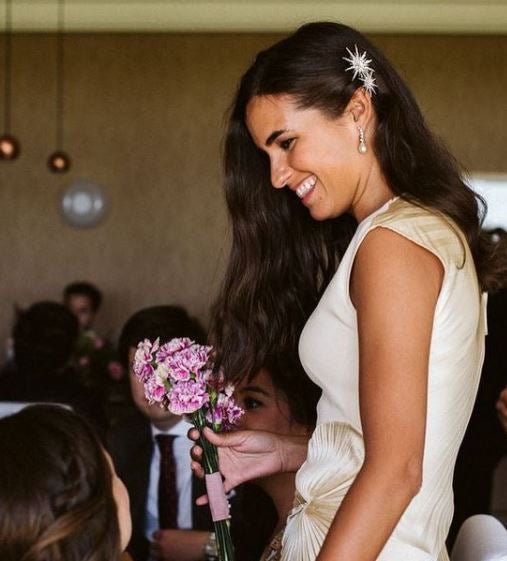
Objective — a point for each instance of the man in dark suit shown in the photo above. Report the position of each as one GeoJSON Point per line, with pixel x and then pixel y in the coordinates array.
{"type": "Point", "coordinates": [136, 454]}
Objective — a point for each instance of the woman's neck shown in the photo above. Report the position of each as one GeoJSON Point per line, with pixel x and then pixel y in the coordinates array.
{"type": "Point", "coordinates": [373, 193]}
{"type": "Point", "coordinates": [281, 488]}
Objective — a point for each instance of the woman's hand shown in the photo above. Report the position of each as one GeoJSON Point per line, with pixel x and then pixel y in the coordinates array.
{"type": "Point", "coordinates": [178, 545]}
{"type": "Point", "coordinates": [249, 454]}
{"type": "Point", "coordinates": [501, 407]}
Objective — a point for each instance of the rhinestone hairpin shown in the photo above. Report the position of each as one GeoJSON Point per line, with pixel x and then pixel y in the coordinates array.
{"type": "Point", "coordinates": [360, 65]}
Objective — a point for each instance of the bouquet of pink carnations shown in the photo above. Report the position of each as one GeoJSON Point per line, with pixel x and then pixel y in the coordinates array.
{"type": "Point", "coordinates": [179, 377]}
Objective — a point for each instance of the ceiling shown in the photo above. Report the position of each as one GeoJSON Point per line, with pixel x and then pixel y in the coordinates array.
{"type": "Point", "coordinates": [401, 16]}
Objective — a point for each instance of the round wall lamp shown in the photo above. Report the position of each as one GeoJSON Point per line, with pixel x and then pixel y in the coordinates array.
{"type": "Point", "coordinates": [83, 204]}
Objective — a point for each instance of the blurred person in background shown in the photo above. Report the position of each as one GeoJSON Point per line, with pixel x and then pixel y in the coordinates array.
{"type": "Point", "coordinates": [135, 444]}
{"type": "Point", "coordinates": [44, 338]}
{"type": "Point", "coordinates": [94, 357]}
{"type": "Point", "coordinates": [282, 400]}
{"type": "Point", "coordinates": [84, 300]}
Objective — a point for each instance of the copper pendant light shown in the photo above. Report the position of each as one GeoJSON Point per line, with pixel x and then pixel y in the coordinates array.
{"type": "Point", "coordinates": [9, 145]}
{"type": "Point", "coordinates": [59, 161]}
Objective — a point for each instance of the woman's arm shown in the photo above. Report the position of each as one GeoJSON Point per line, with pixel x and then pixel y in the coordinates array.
{"type": "Point", "coordinates": [394, 286]}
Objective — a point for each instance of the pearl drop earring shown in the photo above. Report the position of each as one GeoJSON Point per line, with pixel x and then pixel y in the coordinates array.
{"type": "Point", "coordinates": [362, 144]}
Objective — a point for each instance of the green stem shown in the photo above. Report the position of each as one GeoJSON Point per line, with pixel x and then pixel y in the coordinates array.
{"type": "Point", "coordinates": [210, 465]}
{"type": "Point", "coordinates": [210, 453]}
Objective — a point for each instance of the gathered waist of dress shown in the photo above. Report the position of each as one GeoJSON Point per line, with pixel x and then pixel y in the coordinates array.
{"type": "Point", "coordinates": [335, 457]}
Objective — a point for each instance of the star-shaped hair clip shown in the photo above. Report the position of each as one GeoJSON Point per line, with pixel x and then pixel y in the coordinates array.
{"type": "Point", "coordinates": [360, 65]}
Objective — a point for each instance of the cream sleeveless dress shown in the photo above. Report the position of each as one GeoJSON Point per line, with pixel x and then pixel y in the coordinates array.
{"type": "Point", "coordinates": [329, 352]}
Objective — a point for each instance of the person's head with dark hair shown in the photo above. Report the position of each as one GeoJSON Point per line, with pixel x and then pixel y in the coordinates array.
{"type": "Point", "coordinates": [285, 400]}
{"type": "Point", "coordinates": [166, 323]}
{"type": "Point", "coordinates": [44, 338]}
{"type": "Point", "coordinates": [61, 499]}
{"type": "Point", "coordinates": [282, 399]}
{"type": "Point", "coordinates": [324, 114]}
{"type": "Point", "coordinates": [84, 300]}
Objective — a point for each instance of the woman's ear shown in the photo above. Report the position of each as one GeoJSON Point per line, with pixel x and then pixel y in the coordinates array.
{"type": "Point", "coordinates": [360, 107]}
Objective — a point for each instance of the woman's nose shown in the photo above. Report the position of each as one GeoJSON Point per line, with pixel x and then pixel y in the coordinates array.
{"type": "Point", "coordinates": [280, 174]}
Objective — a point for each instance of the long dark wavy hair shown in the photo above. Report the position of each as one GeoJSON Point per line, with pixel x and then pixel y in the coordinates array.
{"type": "Point", "coordinates": [281, 259]}
{"type": "Point", "coordinates": [56, 500]}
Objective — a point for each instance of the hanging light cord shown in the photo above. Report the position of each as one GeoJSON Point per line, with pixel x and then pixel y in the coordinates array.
{"type": "Point", "coordinates": [7, 66]}
{"type": "Point", "coordinates": [60, 76]}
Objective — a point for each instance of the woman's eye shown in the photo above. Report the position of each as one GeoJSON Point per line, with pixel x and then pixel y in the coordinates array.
{"type": "Point", "coordinates": [286, 144]}
{"type": "Point", "coordinates": [251, 403]}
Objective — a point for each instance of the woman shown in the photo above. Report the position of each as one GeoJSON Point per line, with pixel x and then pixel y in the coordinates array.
{"type": "Point", "coordinates": [272, 402]}
{"type": "Point", "coordinates": [60, 497]}
{"type": "Point", "coordinates": [323, 132]}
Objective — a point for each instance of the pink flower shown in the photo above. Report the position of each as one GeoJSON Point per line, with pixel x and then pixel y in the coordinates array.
{"type": "Point", "coordinates": [154, 390]}
{"type": "Point", "coordinates": [233, 414]}
{"type": "Point", "coordinates": [115, 370]}
{"type": "Point", "coordinates": [84, 361]}
{"type": "Point", "coordinates": [143, 359]}
{"type": "Point", "coordinates": [225, 412]}
{"type": "Point", "coordinates": [98, 343]}
{"type": "Point", "coordinates": [188, 361]}
{"type": "Point", "coordinates": [214, 416]}
{"type": "Point", "coordinates": [187, 397]}
{"type": "Point", "coordinates": [174, 345]}
{"type": "Point", "coordinates": [215, 379]}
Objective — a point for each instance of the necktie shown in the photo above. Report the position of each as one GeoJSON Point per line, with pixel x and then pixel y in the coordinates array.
{"type": "Point", "coordinates": [167, 492]}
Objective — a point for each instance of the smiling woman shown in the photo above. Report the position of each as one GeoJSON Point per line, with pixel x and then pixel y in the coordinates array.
{"type": "Point", "coordinates": [356, 239]}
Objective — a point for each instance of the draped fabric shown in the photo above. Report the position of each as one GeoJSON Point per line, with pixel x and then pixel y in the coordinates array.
{"type": "Point", "coordinates": [335, 455]}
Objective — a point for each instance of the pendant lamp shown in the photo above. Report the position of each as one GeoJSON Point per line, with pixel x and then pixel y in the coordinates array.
{"type": "Point", "coordinates": [9, 145]}
{"type": "Point", "coordinates": [59, 160]}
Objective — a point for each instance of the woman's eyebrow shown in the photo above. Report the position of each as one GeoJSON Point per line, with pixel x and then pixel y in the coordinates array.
{"type": "Point", "coordinates": [274, 135]}
{"type": "Point", "coordinates": [256, 389]}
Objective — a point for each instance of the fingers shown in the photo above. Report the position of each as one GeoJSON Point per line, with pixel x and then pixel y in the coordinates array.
{"type": "Point", "coordinates": [202, 500]}
{"type": "Point", "coordinates": [218, 439]}
{"type": "Point", "coordinates": [197, 469]}
{"type": "Point", "coordinates": [222, 439]}
{"type": "Point", "coordinates": [501, 407]}
{"type": "Point", "coordinates": [193, 434]}
{"type": "Point", "coordinates": [155, 551]}
{"type": "Point", "coordinates": [196, 453]}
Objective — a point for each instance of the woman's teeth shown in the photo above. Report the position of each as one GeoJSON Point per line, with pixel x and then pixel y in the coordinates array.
{"type": "Point", "coordinates": [306, 187]}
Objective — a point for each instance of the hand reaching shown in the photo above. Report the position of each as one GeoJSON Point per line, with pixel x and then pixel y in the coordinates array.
{"type": "Point", "coordinates": [178, 545]}
{"type": "Point", "coordinates": [501, 407]}
{"type": "Point", "coordinates": [243, 455]}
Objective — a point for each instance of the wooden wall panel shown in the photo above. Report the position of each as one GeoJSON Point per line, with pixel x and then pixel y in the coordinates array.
{"type": "Point", "coordinates": [144, 118]}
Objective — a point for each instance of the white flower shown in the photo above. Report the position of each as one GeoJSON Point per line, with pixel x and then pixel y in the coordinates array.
{"type": "Point", "coordinates": [162, 372]}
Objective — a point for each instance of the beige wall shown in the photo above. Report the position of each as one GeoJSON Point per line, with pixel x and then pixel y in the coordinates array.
{"type": "Point", "coordinates": [144, 119]}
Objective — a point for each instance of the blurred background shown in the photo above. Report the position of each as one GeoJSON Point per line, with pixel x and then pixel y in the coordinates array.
{"type": "Point", "coordinates": [145, 87]}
